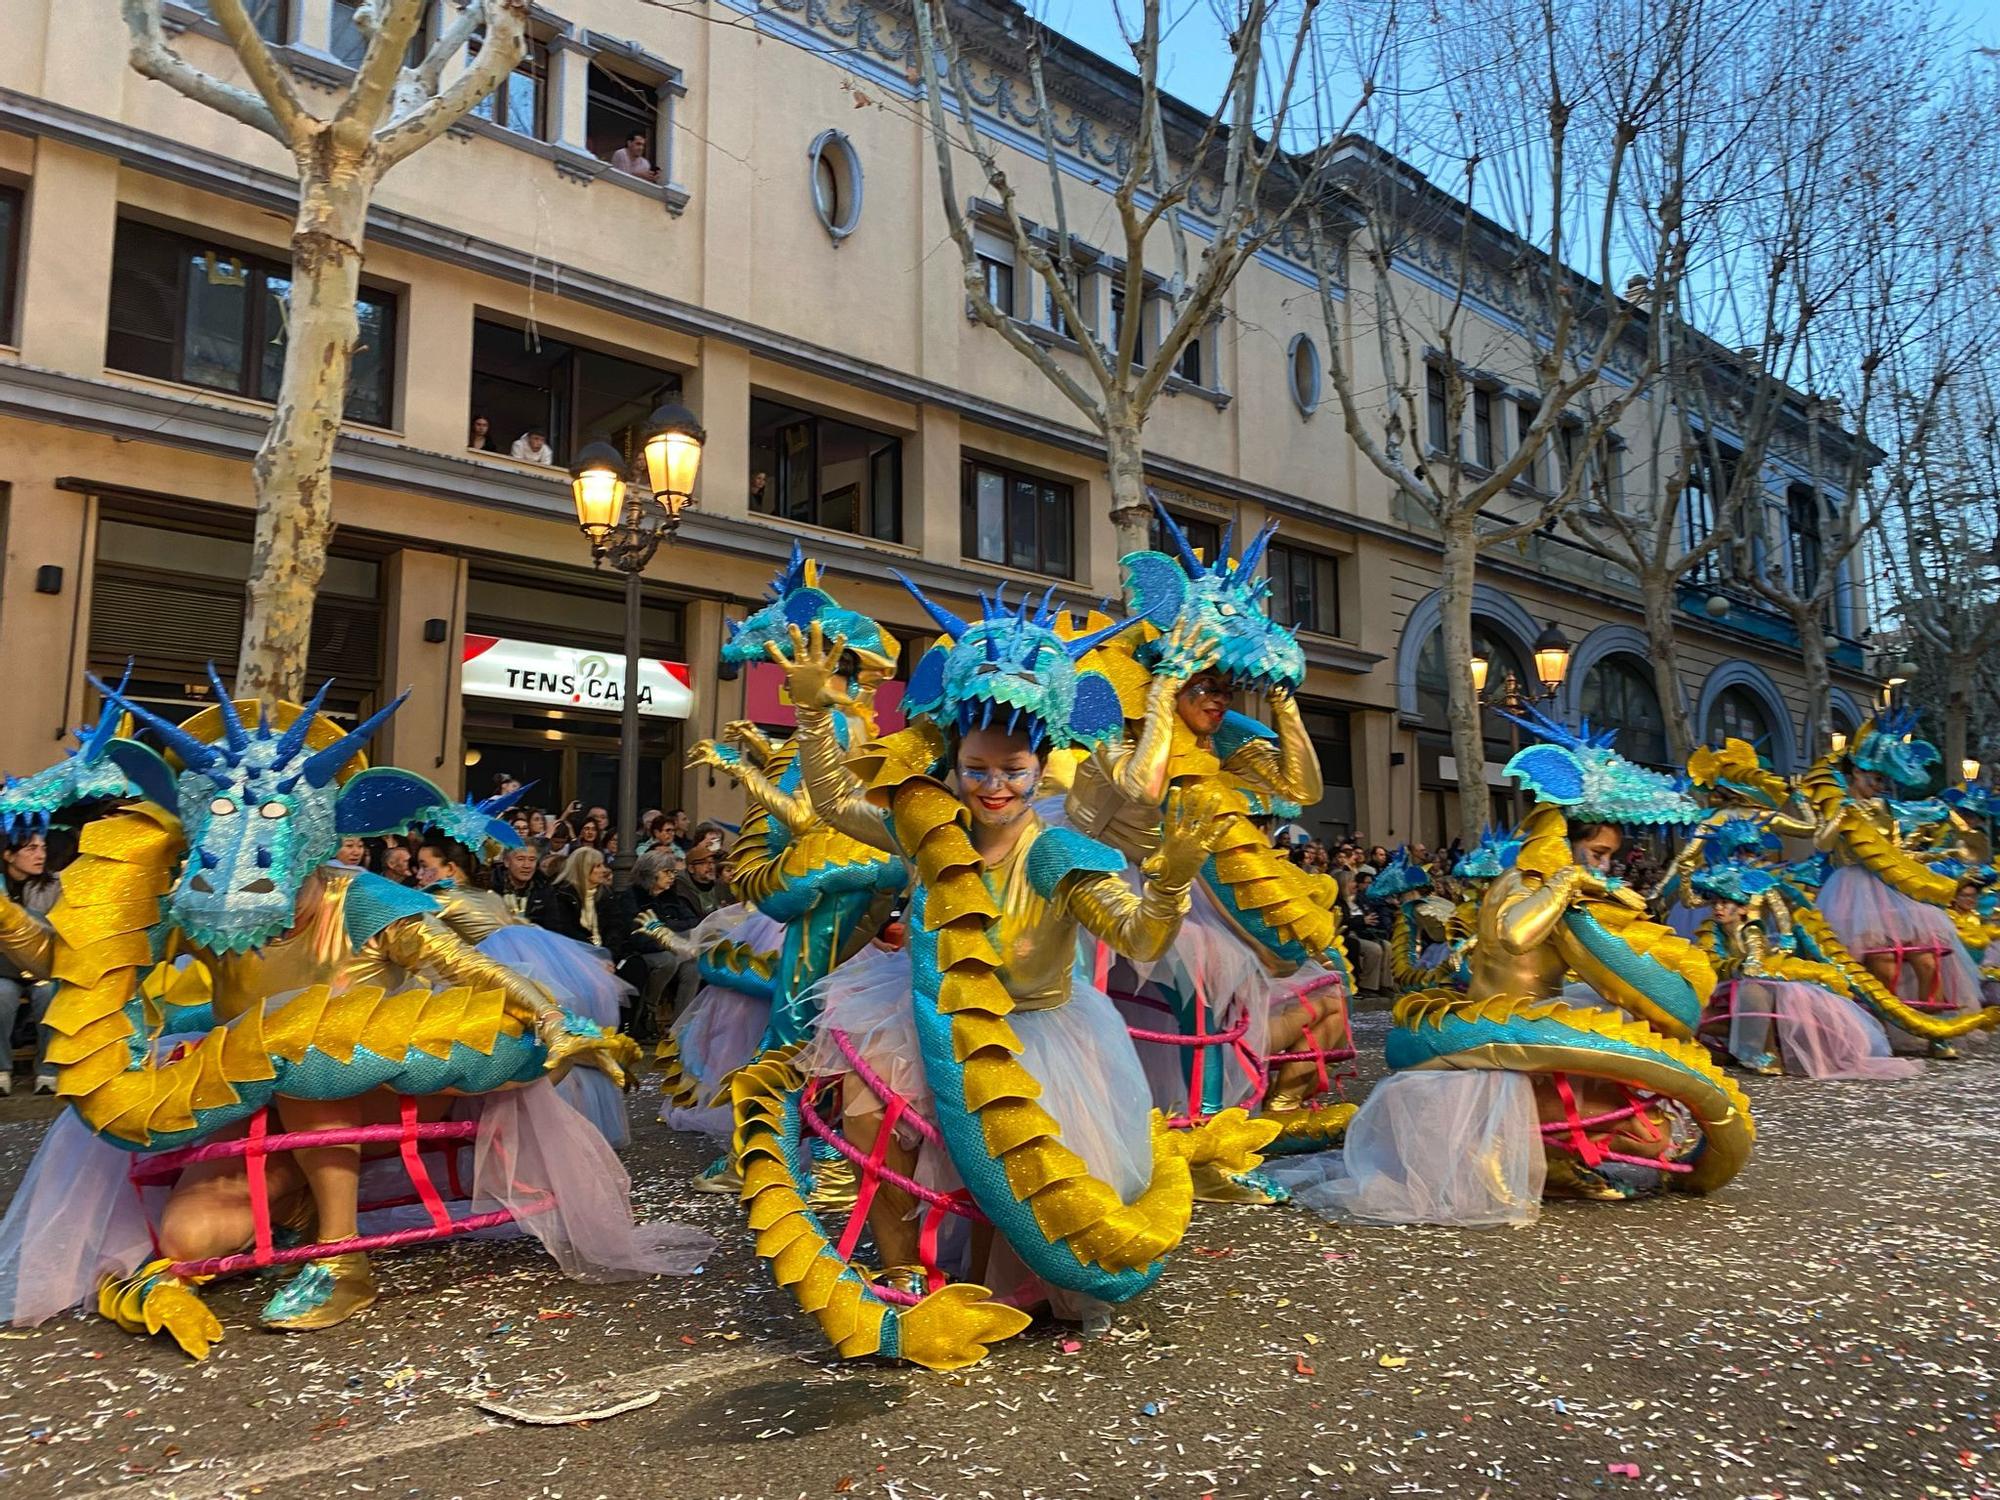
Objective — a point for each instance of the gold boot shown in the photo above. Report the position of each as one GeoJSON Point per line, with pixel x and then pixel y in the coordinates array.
{"type": "Point", "coordinates": [1214, 1185]}
{"type": "Point", "coordinates": [324, 1293]}
{"type": "Point", "coordinates": [1569, 1178]}
{"type": "Point", "coordinates": [153, 1299]}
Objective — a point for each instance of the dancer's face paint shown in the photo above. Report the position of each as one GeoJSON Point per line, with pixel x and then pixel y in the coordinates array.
{"type": "Point", "coordinates": [1204, 701]}
{"type": "Point", "coordinates": [1597, 851]}
{"type": "Point", "coordinates": [997, 774]}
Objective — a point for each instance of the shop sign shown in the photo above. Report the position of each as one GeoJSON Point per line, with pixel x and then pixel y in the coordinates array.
{"type": "Point", "coordinates": [566, 677]}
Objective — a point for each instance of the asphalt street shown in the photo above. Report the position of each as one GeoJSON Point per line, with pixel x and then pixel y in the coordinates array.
{"type": "Point", "coordinates": [1825, 1327]}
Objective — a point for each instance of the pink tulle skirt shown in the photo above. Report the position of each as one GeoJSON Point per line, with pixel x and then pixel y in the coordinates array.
{"type": "Point", "coordinates": [77, 1218]}
{"type": "Point", "coordinates": [1431, 1146]}
{"type": "Point", "coordinates": [721, 1027]}
{"type": "Point", "coordinates": [1813, 1032]}
{"type": "Point", "coordinates": [1871, 916]}
{"type": "Point", "coordinates": [579, 977]}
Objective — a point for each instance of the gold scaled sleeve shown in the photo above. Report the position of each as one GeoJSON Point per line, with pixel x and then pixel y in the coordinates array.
{"type": "Point", "coordinates": [425, 947]}
{"type": "Point", "coordinates": [25, 939]}
{"type": "Point", "coordinates": [836, 792]}
{"type": "Point", "coordinates": [794, 813]}
{"type": "Point", "coordinates": [1527, 920]}
{"type": "Point", "coordinates": [1141, 927]}
{"type": "Point", "coordinates": [472, 913]}
{"type": "Point", "coordinates": [1290, 771]}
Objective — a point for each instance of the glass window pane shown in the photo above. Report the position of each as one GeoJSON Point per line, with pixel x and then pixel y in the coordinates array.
{"type": "Point", "coordinates": [1023, 523]}
{"type": "Point", "coordinates": [992, 517]}
{"type": "Point", "coordinates": [371, 377]}
{"type": "Point", "coordinates": [216, 307]}
{"type": "Point", "coordinates": [10, 232]}
{"type": "Point", "coordinates": [275, 304]}
{"type": "Point", "coordinates": [1056, 529]}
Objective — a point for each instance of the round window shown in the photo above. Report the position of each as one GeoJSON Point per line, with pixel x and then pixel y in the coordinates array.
{"type": "Point", "coordinates": [1304, 358]}
{"type": "Point", "coordinates": [836, 183]}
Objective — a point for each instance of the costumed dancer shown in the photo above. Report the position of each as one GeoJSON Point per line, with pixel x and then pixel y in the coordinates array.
{"type": "Point", "coordinates": [814, 896]}
{"type": "Point", "coordinates": [212, 885]}
{"type": "Point", "coordinates": [1514, 1088]}
{"type": "Point", "coordinates": [1883, 904]}
{"type": "Point", "coordinates": [578, 977]}
{"type": "Point", "coordinates": [988, 1090]}
{"type": "Point", "coordinates": [1428, 938]}
{"type": "Point", "coordinates": [1775, 1012]}
{"type": "Point", "coordinates": [1259, 958]}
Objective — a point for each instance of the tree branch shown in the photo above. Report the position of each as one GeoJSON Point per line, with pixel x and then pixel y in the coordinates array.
{"type": "Point", "coordinates": [152, 58]}
{"type": "Point", "coordinates": [505, 43]}
{"type": "Point", "coordinates": [367, 101]}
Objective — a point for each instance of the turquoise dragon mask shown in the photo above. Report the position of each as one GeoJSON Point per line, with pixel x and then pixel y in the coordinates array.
{"type": "Point", "coordinates": [1578, 771]}
{"type": "Point", "coordinates": [795, 599]}
{"type": "Point", "coordinates": [1890, 748]}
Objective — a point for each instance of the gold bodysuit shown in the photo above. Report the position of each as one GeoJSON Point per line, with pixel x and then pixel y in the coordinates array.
{"type": "Point", "coordinates": [1037, 935]}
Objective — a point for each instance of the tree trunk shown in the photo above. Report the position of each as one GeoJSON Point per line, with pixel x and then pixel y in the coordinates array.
{"type": "Point", "coordinates": [1658, 591]}
{"type": "Point", "coordinates": [1957, 714]}
{"type": "Point", "coordinates": [293, 472]}
{"type": "Point", "coordinates": [1819, 685]}
{"type": "Point", "coordinates": [1468, 741]}
{"type": "Point", "coordinates": [1131, 512]}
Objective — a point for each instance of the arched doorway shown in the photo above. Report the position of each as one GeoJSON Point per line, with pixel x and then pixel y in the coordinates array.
{"type": "Point", "coordinates": [1618, 694]}
{"type": "Point", "coordinates": [1437, 809]}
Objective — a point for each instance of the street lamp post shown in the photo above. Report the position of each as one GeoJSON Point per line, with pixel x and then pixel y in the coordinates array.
{"type": "Point", "coordinates": [1552, 653]}
{"type": "Point", "coordinates": [626, 523]}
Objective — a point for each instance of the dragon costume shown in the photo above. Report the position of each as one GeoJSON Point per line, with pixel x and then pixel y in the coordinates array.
{"type": "Point", "coordinates": [322, 988]}
{"type": "Point", "coordinates": [1204, 630]}
{"type": "Point", "coordinates": [985, 990]}
{"type": "Point", "coordinates": [1617, 1074]}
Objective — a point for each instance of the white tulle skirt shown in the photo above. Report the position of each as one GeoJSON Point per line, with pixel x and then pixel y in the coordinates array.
{"type": "Point", "coordinates": [76, 1218]}
{"type": "Point", "coordinates": [580, 978]}
{"type": "Point", "coordinates": [1871, 916]}
{"type": "Point", "coordinates": [1813, 1032]}
{"type": "Point", "coordinates": [1092, 1083]}
{"type": "Point", "coordinates": [1431, 1146]}
{"type": "Point", "coordinates": [719, 1030]}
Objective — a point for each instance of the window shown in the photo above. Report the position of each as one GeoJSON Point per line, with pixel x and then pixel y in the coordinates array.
{"type": "Point", "coordinates": [1611, 473]}
{"type": "Point", "coordinates": [1706, 489]}
{"type": "Point", "coordinates": [523, 383]}
{"type": "Point", "coordinates": [1052, 313]}
{"type": "Point", "coordinates": [1502, 662]}
{"type": "Point", "coordinates": [1191, 366]}
{"type": "Point", "coordinates": [1484, 449]}
{"type": "Point", "coordinates": [622, 115]}
{"type": "Point", "coordinates": [1569, 441]}
{"type": "Point", "coordinates": [1018, 520]}
{"type": "Point", "coordinates": [1524, 421]}
{"type": "Point", "coordinates": [1804, 540]}
{"type": "Point", "coordinates": [836, 184]}
{"type": "Point", "coordinates": [1439, 409]}
{"type": "Point", "coordinates": [193, 312]}
{"type": "Point", "coordinates": [1204, 536]}
{"type": "Point", "coordinates": [346, 41]}
{"type": "Point", "coordinates": [1118, 325]}
{"type": "Point", "coordinates": [825, 472]}
{"type": "Point", "coordinates": [1618, 693]}
{"type": "Point", "coordinates": [1305, 373]}
{"type": "Point", "coordinates": [995, 253]}
{"type": "Point", "coordinates": [1739, 714]}
{"type": "Point", "coordinates": [268, 16]}
{"type": "Point", "coordinates": [520, 101]}
{"type": "Point", "coordinates": [10, 258]}
{"type": "Point", "coordinates": [1305, 589]}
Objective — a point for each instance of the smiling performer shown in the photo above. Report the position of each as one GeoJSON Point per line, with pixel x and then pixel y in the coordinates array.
{"type": "Point", "coordinates": [1260, 955]}
{"type": "Point", "coordinates": [311, 1007]}
{"type": "Point", "coordinates": [990, 1094]}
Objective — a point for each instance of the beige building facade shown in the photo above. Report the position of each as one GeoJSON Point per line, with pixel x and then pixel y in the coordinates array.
{"type": "Point", "coordinates": [784, 269]}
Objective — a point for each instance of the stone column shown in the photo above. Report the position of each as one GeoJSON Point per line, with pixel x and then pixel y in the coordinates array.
{"type": "Point", "coordinates": [427, 734]}
{"type": "Point", "coordinates": [1371, 736]}
{"type": "Point", "coordinates": [718, 392]}
{"type": "Point", "coordinates": [715, 703]}
{"type": "Point", "coordinates": [931, 486]}
{"type": "Point", "coordinates": [569, 98]}
{"type": "Point", "coordinates": [45, 636]}
{"type": "Point", "coordinates": [66, 264]}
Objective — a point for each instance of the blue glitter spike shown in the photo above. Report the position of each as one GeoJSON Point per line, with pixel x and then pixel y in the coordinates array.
{"type": "Point", "coordinates": [295, 738]}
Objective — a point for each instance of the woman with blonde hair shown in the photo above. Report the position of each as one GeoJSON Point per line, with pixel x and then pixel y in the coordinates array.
{"type": "Point", "coordinates": [572, 908]}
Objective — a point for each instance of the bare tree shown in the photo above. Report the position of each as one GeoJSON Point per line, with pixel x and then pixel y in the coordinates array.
{"type": "Point", "coordinates": [1835, 298]}
{"type": "Point", "coordinates": [1556, 135]}
{"type": "Point", "coordinates": [384, 115]}
{"type": "Point", "coordinates": [1941, 544]}
{"type": "Point", "coordinates": [1234, 159]}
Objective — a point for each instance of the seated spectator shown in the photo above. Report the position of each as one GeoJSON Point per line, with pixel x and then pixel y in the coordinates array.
{"type": "Point", "coordinates": [665, 981]}
{"type": "Point", "coordinates": [533, 447]}
{"type": "Point", "coordinates": [572, 908]}
{"type": "Point", "coordinates": [1313, 857]}
{"type": "Point", "coordinates": [353, 851]}
{"type": "Point", "coordinates": [518, 880]}
{"type": "Point", "coordinates": [1366, 932]}
{"type": "Point", "coordinates": [24, 863]}
{"type": "Point", "coordinates": [631, 157]}
{"type": "Point", "coordinates": [481, 438]}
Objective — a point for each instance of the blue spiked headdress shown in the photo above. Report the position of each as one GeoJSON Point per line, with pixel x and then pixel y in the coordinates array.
{"type": "Point", "coordinates": [1493, 856]}
{"type": "Point", "coordinates": [86, 774]}
{"type": "Point", "coordinates": [476, 824]}
{"type": "Point", "coordinates": [1229, 595]}
{"type": "Point", "coordinates": [1888, 746]}
{"type": "Point", "coordinates": [795, 598]}
{"type": "Point", "coordinates": [1401, 876]}
{"type": "Point", "coordinates": [1011, 669]}
{"type": "Point", "coordinates": [1734, 854]}
{"type": "Point", "coordinates": [261, 808]}
{"type": "Point", "coordinates": [1578, 771]}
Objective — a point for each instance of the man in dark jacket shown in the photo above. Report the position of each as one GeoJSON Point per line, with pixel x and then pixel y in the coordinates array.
{"type": "Point", "coordinates": [519, 882]}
